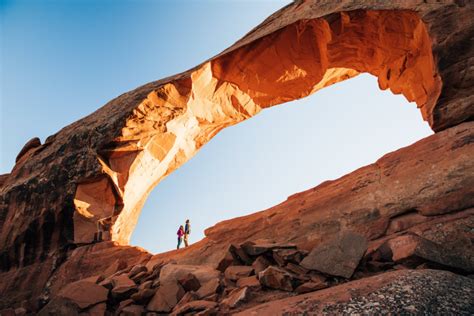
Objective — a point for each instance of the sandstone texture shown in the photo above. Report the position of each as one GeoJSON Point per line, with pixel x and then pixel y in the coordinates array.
{"type": "Point", "coordinates": [69, 205]}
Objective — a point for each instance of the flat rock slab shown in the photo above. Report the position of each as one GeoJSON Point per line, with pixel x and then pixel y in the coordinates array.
{"type": "Point", "coordinates": [339, 256]}
{"type": "Point", "coordinates": [166, 297]}
{"type": "Point", "coordinates": [412, 249]}
{"type": "Point", "coordinates": [84, 293]}
{"type": "Point", "coordinates": [255, 249]}
{"type": "Point", "coordinates": [404, 292]}
{"type": "Point", "coordinates": [236, 272]}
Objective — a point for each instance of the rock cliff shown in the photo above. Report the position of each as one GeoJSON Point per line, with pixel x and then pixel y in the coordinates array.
{"type": "Point", "coordinates": [69, 206]}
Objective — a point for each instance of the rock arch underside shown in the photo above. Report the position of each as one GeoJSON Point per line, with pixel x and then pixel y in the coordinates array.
{"type": "Point", "coordinates": [69, 206]}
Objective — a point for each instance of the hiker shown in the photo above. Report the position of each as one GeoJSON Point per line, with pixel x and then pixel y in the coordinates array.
{"type": "Point", "coordinates": [180, 235]}
{"type": "Point", "coordinates": [187, 231]}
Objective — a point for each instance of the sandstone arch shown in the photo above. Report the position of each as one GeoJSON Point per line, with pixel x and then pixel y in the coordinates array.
{"type": "Point", "coordinates": [95, 174]}
{"type": "Point", "coordinates": [175, 120]}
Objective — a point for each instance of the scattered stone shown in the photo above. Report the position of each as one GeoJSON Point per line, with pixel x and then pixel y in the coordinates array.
{"type": "Point", "coordinates": [276, 278]}
{"type": "Point", "coordinates": [236, 272]}
{"type": "Point", "coordinates": [228, 283]}
{"type": "Point", "coordinates": [339, 256]}
{"type": "Point", "coordinates": [138, 278]}
{"type": "Point", "coordinates": [190, 283]}
{"type": "Point", "coordinates": [260, 264]}
{"type": "Point", "coordinates": [311, 287]}
{"type": "Point", "coordinates": [237, 297]}
{"type": "Point", "coordinates": [251, 282]}
{"type": "Point", "coordinates": [296, 269]}
{"type": "Point", "coordinates": [209, 288]}
{"type": "Point", "coordinates": [143, 296]}
{"type": "Point", "coordinates": [166, 297]}
{"type": "Point", "coordinates": [145, 285]}
{"type": "Point", "coordinates": [283, 256]}
{"type": "Point", "coordinates": [84, 294]}
{"type": "Point", "coordinates": [194, 307]}
{"type": "Point", "coordinates": [136, 270]}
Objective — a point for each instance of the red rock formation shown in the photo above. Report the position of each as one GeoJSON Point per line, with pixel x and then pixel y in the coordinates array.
{"type": "Point", "coordinates": [88, 182]}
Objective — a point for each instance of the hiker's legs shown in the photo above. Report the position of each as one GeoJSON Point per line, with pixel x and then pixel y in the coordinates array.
{"type": "Point", "coordinates": [185, 240]}
{"type": "Point", "coordinates": [179, 242]}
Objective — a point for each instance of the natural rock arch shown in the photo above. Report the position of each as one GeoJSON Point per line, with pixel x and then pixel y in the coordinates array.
{"type": "Point", "coordinates": [175, 120]}
{"type": "Point", "coordinates": [89, 181]}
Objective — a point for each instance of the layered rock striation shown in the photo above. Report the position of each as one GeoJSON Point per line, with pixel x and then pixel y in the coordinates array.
{"type": "Point", "coordinates": [77, 196]}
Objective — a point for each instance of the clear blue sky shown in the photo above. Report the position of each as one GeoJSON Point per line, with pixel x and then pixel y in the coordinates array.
{"type": "Point", "coordinates": [61, 60]}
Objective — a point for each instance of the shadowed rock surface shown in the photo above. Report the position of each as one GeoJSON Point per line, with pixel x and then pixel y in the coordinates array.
{"type": "Point", "coordinates": [69, 205]}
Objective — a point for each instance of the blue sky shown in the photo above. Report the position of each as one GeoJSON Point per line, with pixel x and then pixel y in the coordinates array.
{"type": "Point", "coordinates": [61, 60]}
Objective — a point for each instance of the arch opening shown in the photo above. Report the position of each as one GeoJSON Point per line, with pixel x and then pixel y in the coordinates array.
{"type": "Point", "coordinates": [175, 120]}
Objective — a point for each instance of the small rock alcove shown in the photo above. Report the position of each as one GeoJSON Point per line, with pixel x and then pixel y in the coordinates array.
{"type": "Point", "coordinates": [173, 121]}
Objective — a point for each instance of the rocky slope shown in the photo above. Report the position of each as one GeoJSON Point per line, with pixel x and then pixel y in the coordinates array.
{"type": "Point", "coordinates": [69, 205]}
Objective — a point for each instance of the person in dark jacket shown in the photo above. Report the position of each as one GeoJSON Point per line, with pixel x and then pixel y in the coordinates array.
{"type": "Point", "coordinates": [187, 231]}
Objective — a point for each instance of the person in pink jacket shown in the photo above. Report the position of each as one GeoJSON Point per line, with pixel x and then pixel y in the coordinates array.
{"type": "Point", "coordinates": [180, 234]}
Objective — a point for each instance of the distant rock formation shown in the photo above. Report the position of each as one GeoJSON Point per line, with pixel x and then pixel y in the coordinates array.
{"type": "Point", "coordinates": [69, 206]}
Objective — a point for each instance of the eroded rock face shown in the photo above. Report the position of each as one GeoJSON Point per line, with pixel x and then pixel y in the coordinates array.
{"type": "Point", "coordinates": [88, 182]}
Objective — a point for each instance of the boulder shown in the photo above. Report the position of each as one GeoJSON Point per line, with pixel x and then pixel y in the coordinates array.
{"type": "Point", "coordinates": [194, 307]}
{"type": "Point", "coordinates": [84, 294]}
{"type": "Point", "coordinates": [412, 250]}
{"type": "Point", "coordinates": [339, 256]}
{"type": "Point", "coordinates": [283, 256]}
{"type": "Point", "coordinates": [276, 278]}
{"type": "Point", "coordinates": [136, 270]}
{"type": "Point", "coordinates": [260, 264]}
{"type": "Point", "coordinates": [211, 287]}
{"type": "Point", "coordinates": [251, 282]}
{"type": "Point", "coordinates": [237, 297]}
{"type": "Point", "coordinates": [143, 296]}
{"type": "Point", "coordinates": [139, 277]}
{"type": "Point", "coordinates": [166, 297]}
{"type": "Point", "coordinates": [255, 249]}
{"type": "Point", "coordinates": [190, 283]}
{"type": "Point", "coordinates": [236, 272]}
{"type": "Point", "coordinates": [145, 285]}
{"type": "Point", "coordinates": [123, 287]}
